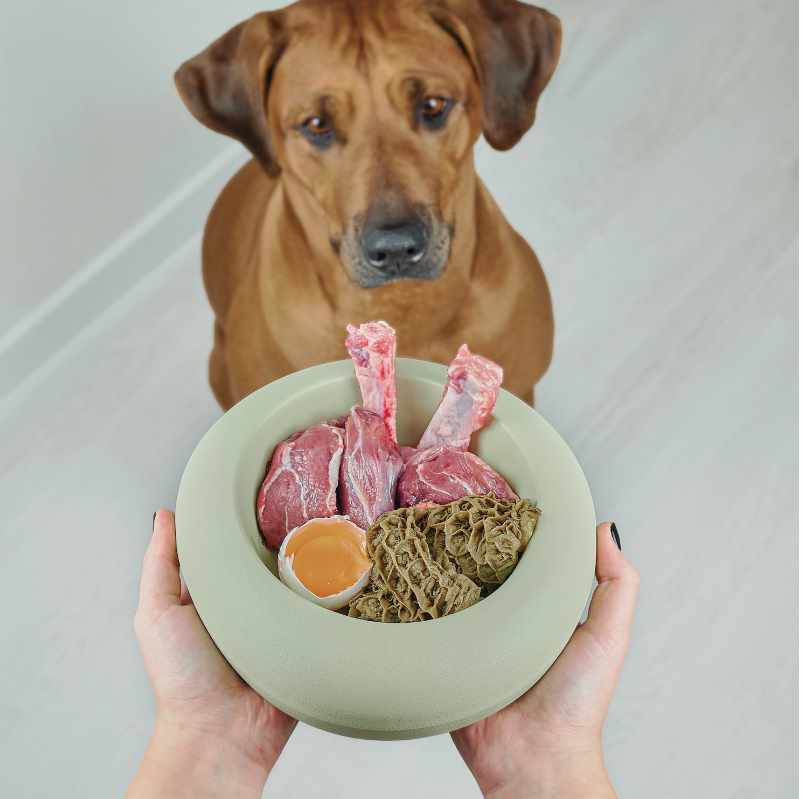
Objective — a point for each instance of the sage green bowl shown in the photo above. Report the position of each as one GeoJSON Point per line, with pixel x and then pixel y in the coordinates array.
{"type": "Point", "coordinates": [360, 678]}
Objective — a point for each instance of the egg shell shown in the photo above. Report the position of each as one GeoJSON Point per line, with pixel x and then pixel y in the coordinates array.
{"type": "Point", "coordinates": [288, 576]}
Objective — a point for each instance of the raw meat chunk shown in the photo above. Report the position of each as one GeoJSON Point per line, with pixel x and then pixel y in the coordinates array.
{"type": "Point", "coordinates": [441, 469]}
{"type": "Point", "coordinates": [468, 400]}
{"type": "Point", "coordinates": [443, 474]}
{"type": "Point", "coordinates": [301, 483]}
{"type": "Point", "coordinates": [372, 347]}
{"type": "Point", "coordinates": [369, 469]}
{"type": "Point", "coordinates": [407, 453]}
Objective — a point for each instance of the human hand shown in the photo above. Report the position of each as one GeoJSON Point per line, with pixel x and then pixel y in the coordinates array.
{"type": "Point", "coordinates": [214, 735]}
{"type": "Point", "coordinates": [549, 741]}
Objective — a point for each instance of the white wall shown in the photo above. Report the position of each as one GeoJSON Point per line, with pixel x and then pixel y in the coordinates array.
{"type": "Point", "coordinates": [93, 135]}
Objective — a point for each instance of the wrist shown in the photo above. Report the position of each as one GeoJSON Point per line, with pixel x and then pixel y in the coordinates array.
{"type": "Point", "coordinates": [182, 761]}
{"type": "Point", "coordinates": [572, 774]}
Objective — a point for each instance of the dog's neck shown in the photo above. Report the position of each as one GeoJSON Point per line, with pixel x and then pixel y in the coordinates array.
{"type": "Point", "coordinates": [308, 244]}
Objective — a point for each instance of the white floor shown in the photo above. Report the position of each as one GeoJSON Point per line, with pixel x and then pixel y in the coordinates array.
{"type": "Point", "coordinates": [658, 188]}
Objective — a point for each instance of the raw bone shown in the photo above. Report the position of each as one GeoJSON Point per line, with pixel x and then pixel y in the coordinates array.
{"type": "Point", "coordinates": [372, 347]}
{"type": "Point", "coordinates": [468, 400]}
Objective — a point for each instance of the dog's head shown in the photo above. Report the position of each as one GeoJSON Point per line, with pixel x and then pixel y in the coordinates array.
{"type": "Point", "coordinates": [370, 109]}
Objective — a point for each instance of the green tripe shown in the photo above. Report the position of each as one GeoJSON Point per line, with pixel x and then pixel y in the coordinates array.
{"type": "Point", "coordinates": [430, 562]}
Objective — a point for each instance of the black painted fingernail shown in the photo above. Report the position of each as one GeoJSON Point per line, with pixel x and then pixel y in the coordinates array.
{"type": "Point", "coordinates": [615, 536]}
{"type": "Point", "coordinates": [153, 521]}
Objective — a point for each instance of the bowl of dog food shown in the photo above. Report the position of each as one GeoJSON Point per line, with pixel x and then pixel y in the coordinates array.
{"type": "Point", "coordinates": [387, 548]}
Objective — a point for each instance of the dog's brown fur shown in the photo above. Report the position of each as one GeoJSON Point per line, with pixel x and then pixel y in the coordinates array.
{"type": "Point", "coordinates": [279, 248]}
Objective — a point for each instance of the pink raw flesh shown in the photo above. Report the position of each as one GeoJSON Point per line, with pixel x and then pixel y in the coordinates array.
{"type": "Point", "coordinates": [443, 474]}
{"type": "Point", "coordinates": [301, 483]}
{"type": "Point", "coordinates": [369, 469]}
{"type": "Point", "coordinates": [407, 453]}
{"type": "Point", "coordinates": [468, 401]}
{"type": "Point", "coordinates": [372, 347]}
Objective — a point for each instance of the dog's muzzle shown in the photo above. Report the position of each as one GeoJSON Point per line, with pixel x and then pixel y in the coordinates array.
{"type": "Point", "coordinates": [395, 249]}
{"type": "Point", "coordinates": [409, 249]}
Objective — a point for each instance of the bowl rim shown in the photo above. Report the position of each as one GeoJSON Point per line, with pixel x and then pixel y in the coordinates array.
{"type": "Point", "coordinates": [228, 585]}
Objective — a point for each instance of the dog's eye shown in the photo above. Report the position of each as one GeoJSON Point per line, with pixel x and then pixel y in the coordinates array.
{"type": "Point", "coordinates": [434, 111]}
{"type": "Point", "coordinates": [318, 131]}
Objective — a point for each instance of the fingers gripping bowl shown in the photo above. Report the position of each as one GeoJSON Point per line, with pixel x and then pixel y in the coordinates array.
{"type": "Point", "coordinates": [382, 681]}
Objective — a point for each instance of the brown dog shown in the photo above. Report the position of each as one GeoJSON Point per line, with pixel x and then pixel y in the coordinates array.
{"type": "Point", "coordinates": [362, 201]}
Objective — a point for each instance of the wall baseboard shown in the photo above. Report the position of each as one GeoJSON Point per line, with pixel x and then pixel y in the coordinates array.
{"type": "Point", "coordinates": [40, 335]}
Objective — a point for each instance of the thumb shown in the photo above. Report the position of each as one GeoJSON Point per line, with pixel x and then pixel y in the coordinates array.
{"type": "Point", "coordinates": [160, 584]}
{"type": "Point", "coordinates": [613, 604]}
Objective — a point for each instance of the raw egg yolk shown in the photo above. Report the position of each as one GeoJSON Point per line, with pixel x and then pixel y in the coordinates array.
{"type": "Point", "coordinates": [328, 556]}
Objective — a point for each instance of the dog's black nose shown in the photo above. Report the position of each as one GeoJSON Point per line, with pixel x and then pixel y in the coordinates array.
{"type": "Point", "coordinates": [395, 248]}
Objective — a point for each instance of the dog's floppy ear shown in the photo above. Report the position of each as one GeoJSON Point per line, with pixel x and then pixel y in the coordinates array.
{"type": "Point", "coordinates": [514, 49]}
{"type": "Point", "coordinates": [225, 85]}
